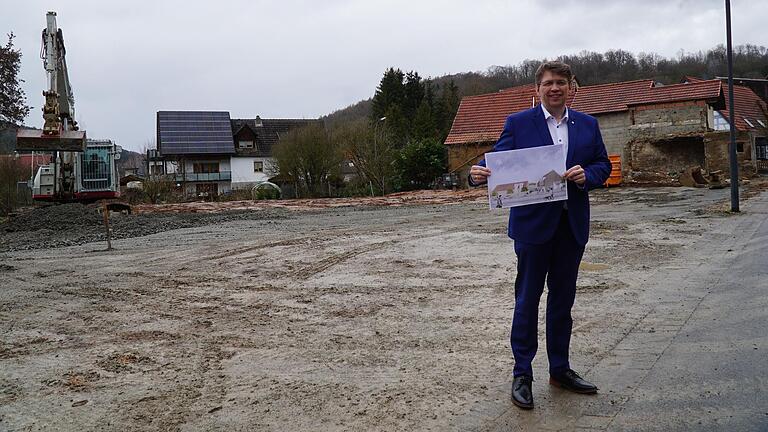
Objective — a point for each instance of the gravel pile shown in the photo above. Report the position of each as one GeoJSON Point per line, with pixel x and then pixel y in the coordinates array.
{"type": "Point", "coordinates": [76, 224]}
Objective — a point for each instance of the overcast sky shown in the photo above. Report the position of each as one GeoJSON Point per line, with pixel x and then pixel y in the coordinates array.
{"type": "Point", "coordinates": [304, 59]}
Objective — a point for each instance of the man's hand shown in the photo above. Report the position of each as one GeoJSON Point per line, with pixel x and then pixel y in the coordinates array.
{"type": "Point", "coordinates": [576, 175]}
{"type": "Point", "coordinates": [479, 174]}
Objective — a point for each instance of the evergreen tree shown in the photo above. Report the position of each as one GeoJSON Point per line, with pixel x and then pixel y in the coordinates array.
{"type": "Point", "coordinates": [414, 93]}
{"type": "Point", "coordinates": [429, 94]}
{"type": "Point", "coordinates": [391, 91]}
{"type": "Point", "coordinates": [396, 125]}
{"type": "Point", "coordinates": [448, 105]}
{"type": "Point", "coordinates": [13, 107]}
{"type": "Point", "coordinates": [423, 125]}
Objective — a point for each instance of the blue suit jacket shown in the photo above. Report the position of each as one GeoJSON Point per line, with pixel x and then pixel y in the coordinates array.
{"type": "Point", "coordinates": [536, 223]}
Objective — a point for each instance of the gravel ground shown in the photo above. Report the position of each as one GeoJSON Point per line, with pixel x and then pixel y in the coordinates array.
{"type": "Point", "coordinates": [368, 318]}
{"type": "Point", "coordinates": [77, 224]}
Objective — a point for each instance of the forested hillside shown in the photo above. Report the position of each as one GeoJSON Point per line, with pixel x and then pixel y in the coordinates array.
{"type": "Point", "coordinates": [749, 61]}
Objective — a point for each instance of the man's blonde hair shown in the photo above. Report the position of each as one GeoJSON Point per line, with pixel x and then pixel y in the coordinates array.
{"type": "Point", "coordinates": [557, 68]}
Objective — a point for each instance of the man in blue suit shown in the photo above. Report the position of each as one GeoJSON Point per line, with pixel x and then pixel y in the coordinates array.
{"type": "Point", "coordinates": [550, 237]}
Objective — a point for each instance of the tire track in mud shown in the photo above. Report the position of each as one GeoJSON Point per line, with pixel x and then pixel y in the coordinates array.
{"type": "Point", "coordinates": [242, 250]}
{"type": "Point", "coordinates": [326, 263]}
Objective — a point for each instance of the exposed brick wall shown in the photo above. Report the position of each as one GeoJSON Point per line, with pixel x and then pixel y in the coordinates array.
{"type": "Point", "coordinates": [668, 119]}
{"type": "Point", "coordinates": [663, 161]}
{"type": "Point", "coordinates": [615, 130]}
{"type": "Point", "coordinates": [636, 135]}
{"type": "Point", "coordinates": [716, 149]}
{"type": "Point", "coordinates": [648, 122]}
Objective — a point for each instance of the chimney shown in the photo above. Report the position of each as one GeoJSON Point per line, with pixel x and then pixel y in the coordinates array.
{"type": "Point", "coordinates": [258, 122]}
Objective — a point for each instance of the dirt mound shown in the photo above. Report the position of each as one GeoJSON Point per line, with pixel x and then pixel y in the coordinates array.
{"type": "Point", "coordinates": [54, 217]}
{"type": "Point", "coordinates": [75, 224]}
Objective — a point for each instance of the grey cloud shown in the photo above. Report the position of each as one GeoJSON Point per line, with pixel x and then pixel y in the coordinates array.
{"type": "Point", "coordinates": [306, 59]}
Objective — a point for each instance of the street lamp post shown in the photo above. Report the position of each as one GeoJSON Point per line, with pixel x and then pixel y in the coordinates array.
{"type": "Point", "coordinates": [376, 152]}
{"type": "Point", "coordinates": [732, 111]}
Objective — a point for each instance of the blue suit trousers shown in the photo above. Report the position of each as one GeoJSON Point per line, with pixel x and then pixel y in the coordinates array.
{"type": "Point", "coordinates": [556, 261]}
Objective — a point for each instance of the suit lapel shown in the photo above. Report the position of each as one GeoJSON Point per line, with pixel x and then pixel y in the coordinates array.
{"type": "Point", "coordinates": [572, 134]}
{"type": "Point", "coordinates": [541, 125]}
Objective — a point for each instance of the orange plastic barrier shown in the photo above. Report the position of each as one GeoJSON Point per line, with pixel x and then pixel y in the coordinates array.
{"type": "Point", "coordinates": [615, 178]}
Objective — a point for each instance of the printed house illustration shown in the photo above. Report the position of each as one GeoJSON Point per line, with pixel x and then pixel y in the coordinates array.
{"type": "Point", "coordinates": [510, 188]}
{"type": "Point", "coordinates": [550, 186]}
{"type": "Point", "coordinates": [550, 180]}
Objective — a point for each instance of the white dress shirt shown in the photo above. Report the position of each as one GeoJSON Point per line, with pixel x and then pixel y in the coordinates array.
{"type": "Point", "coordinates": [558, 130]}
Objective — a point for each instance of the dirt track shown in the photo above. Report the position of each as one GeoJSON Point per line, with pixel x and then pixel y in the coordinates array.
{"type": "Point", "coordinates": [349, 318]}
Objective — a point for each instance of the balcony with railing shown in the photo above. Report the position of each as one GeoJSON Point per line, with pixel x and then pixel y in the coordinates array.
{"type": "Point", "coordinates": [204, 177]}
{"type": "Point", "coordinates": [154, 155]}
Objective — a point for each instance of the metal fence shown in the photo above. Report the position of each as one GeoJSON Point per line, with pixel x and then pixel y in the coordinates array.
{"type": "Point", "coordinates": [762, 165]}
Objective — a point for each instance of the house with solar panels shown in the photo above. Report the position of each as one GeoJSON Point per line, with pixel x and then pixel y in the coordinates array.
{"type": "Point", "coordinates": [207, 153]}
{"type": "Point", "coordinates": [201, 145]}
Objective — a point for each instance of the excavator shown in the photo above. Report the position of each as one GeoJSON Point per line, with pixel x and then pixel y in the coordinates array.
{"type": "Point", "coordinates": [81, 170]}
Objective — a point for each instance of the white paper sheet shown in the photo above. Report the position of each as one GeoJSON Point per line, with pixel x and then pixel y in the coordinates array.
{"type": "Point", "coordinates": [526, 176]}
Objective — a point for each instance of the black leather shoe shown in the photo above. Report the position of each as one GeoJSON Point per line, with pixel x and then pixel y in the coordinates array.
{"type": "Point", "coordinates": [522, 395]}
{"type": "Point", "coordinates": [571, 381]}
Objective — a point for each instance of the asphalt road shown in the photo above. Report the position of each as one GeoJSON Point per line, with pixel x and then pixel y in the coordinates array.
{"type": "Point", "coordinates": [697, 360]}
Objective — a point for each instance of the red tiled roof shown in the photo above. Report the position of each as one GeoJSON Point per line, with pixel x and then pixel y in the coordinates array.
{"type": "Point", "coordinates": [701, 90]}
{"type": "Point", "coordinates": [748, 105]}
{"type": "Point", "coordinates": [481, 118]}
{"type": "Point", "coordinates": [612, 97]}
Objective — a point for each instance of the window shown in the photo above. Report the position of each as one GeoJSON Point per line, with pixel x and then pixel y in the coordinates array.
{"type": "Point", "coordinates": [740, 147]}
{"type": "Point", "coordinates": [761, 148]}
{"type": "Point", "coordinates": [205, 167]}
{"type": "Point", "coordinates": [761, 122]}
{"type": "Point", "coordinates": [721, 123]}
{"type": "Point", "coordinates": [258, 166]}
{"type": "Point", "coordinates": [748, 122]}
{"type": "Point", "coordinates": [245, 144]}
{"type": "Point", "coordinates": [206, 190]}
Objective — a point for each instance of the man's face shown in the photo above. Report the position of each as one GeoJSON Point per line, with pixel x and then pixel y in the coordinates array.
{"type": "Point", "coordinates": [553, 91]}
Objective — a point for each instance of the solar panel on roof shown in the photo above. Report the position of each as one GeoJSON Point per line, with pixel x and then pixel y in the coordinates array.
{"type": "Point", "coordinates": [194, 132]}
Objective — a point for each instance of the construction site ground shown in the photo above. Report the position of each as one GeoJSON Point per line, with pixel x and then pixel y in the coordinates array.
{"type": "Point", "coordinates": [384, 314]}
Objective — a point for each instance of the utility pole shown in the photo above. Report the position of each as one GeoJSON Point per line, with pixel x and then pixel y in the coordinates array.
{"type": "Point", "coordinates": [732, 116]}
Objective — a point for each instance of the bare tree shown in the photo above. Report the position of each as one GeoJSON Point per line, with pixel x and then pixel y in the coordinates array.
{"type": "Point", "coordinates": [371, 149]}
{"type": "Point", "coordinates": [11, 173]}
{"type": "Point", "coordinates": [308, 158]}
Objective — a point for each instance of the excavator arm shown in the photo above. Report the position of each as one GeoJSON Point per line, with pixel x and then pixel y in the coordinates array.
{"type": "Point", "coordinates": [60, 131]}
